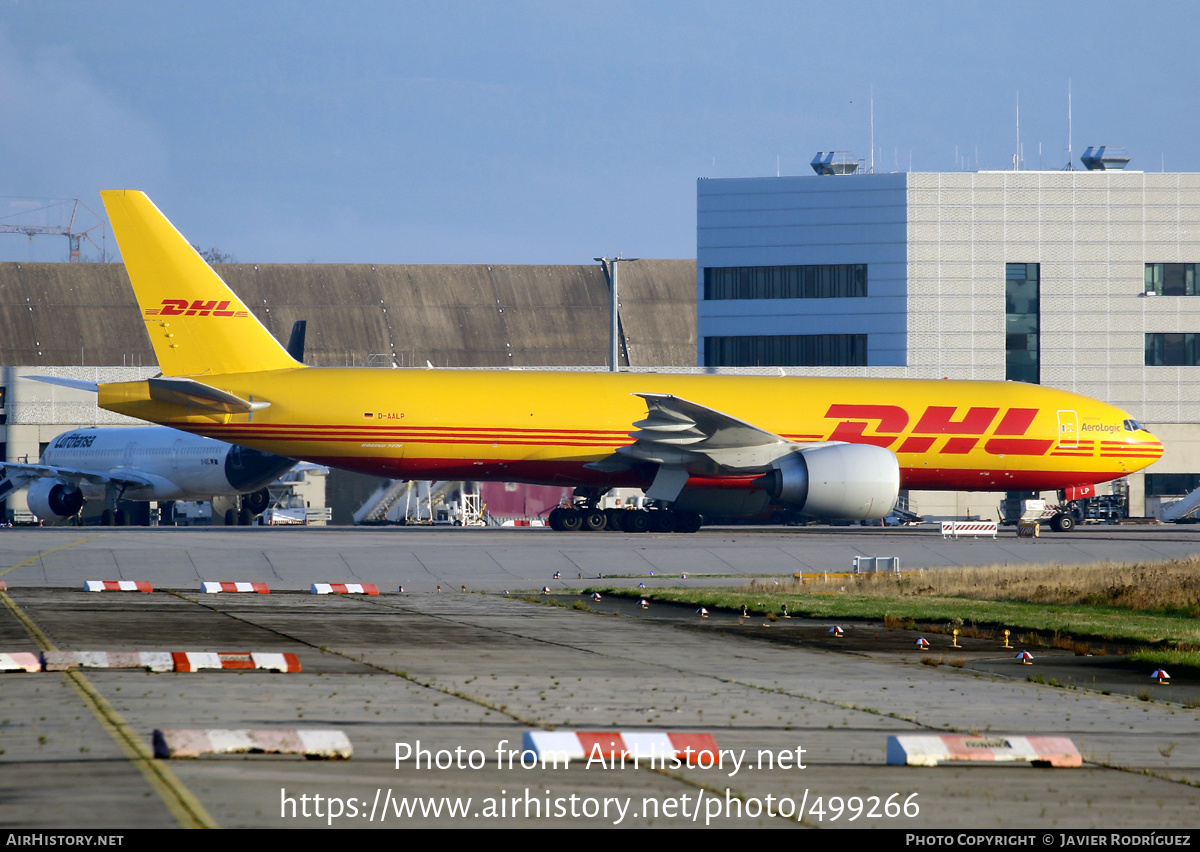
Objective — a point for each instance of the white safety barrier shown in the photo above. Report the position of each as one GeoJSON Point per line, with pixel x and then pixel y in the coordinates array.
{"type": "Point", "coordinates": [117, 586]}
{"type": "Point", "coordinates": [956, 529]}
{"type": "Point", "coordinates": [155, 661]}
{"type": "Point", "coordinates": [20, 661]}
{"type": "Point", "coordinates": [653, 746]}
{"type": "Point", "coordinates": [931, 750]}
{"type": "Point", "coordinates": [344, 589]}
{"type": "Point", "coordinates": [191, 742]}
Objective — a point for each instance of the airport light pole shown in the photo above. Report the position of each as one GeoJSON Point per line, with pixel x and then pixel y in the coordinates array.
{"type": "Point", "coordinates": [614, 318]}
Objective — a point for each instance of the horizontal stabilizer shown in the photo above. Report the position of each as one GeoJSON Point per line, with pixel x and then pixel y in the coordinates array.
{"type": "Point", "coordinates": [192, 394]}
{"type": "Point", "coordinates": [78, 384]}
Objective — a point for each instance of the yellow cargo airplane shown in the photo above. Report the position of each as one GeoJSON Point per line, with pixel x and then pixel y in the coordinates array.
{"type": "Point", "coordinates": [724, 445]}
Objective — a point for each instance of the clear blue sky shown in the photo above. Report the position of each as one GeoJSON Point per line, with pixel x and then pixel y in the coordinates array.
{"type": "Point", "coordinates": [548, 132]}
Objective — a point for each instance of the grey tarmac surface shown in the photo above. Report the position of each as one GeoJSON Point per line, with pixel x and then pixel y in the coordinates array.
{"type": "Point", "coordinates": [477, 670]}
{"type": "Point", "coordinates": [492, 559]}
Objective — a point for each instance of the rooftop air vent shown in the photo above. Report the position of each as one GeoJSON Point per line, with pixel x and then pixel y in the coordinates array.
{"type": "Point", "coordinates": [834, 163]}
{"type": "Point", "coordinates": [1104, 158]}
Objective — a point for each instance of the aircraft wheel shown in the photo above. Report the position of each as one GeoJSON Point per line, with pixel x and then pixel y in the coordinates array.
{"type": "Point", "coordinates": [688, 522]}
{"type": "Point", "coordinates": [570, 520]}
{"type": "Point", "coordinates": [613, 519]}
{"type": "Point", "coordinates": [120, 519]}
{"type": "Point", "coordinates": [230, 518]}
{"type": "Point", "coordinates": [637, 521]}
{"type": "Point", "coordinates": [555, 520]}
{"type": "Point", "coordinates": [593, 519]}
{"type": "Point", "coordinates": [662, 520]}
{"type": "Point", "coordinates": [106, 518]}
{"type": "Point", "coordinates": [243, 516]}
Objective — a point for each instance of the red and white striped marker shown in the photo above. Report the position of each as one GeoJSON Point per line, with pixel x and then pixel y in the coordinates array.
{"type": "Point", "coordinates": [930, 750]}
{"type": "Point", "coordinates": [154, 661]}
{"type": "Point", "coordinates": [657, 746]}
{"type": "Point", "coordinates": [117, 586]}
{"type": "Point", "coordinates": [644, 604]}
{"type": "Point", "coordinates": [1026, 658]}
{"type": "Point", "coordinates": [922, 644]}
{"type": "Point", "coordinates": [20, 661]}
{"type": "Point", "coordinates": [213, 588]}
{"type": "Point", "coordinates": [836, 631]}
{"type": "Point", "coordinates": [702, 612]}
{"type": "Point", "coordinates": [191, 661]}
{"type": "Point", "coordinates": [344, 589]}
{"type": "Point", "coordinates": [314, 744]}
{"type": "Point", "coordinates": [595, 596]}
{"type": "Point", "coordinates": [955, 529]}
{"type": "Point", "coordinates": [1162, 676]}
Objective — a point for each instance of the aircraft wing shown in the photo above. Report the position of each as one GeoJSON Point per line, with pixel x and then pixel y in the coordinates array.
{"type": "Point", "coordinates": [15, 475]}
{"type": "Point", "coordinates": [685, 438]}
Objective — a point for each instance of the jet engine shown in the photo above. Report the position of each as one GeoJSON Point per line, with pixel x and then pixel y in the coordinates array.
{"type": "Point", "coordinates": [845, 481]}
{"type": "Point", "coordinates": [257, 501]}
{"type": "Point", "coordinates": [49, 498]}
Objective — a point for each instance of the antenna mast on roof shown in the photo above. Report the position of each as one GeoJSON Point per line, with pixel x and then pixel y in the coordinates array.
{"type": "Point", "coordinates": [1017, 155]}
{"type": "Point", "coordinates": [1070, 153]}
{"type": "Point", "coordinates": [872, 169]}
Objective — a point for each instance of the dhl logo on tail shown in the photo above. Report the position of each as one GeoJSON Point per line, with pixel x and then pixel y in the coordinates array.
{"type": "Point", "coordinates": [196, 308]}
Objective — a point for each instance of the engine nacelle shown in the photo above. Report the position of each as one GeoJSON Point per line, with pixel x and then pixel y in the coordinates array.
{"type": "Point", "coordinates": [49, 498]}
{"type": "Point", "coordinates": [847, 481]}
{"type": "Point", "coordinates": [257, 501]}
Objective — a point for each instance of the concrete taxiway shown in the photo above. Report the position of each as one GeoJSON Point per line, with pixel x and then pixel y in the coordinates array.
{"type": "Point", "coordinates": [491, 559]}
{"type": "Point", "coordinates": [474, 671]}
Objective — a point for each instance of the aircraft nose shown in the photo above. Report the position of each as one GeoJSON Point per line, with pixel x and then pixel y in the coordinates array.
{"type": "Point", "coordinates": [1146, 446]}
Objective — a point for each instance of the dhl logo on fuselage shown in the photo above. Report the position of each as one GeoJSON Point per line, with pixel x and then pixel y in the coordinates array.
{"type": "Point", "coordinates": [197, 308]}
{"type": "Point", "coordinates": [937, 422]}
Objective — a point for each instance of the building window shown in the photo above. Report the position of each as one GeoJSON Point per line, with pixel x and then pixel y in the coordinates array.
{"type": "Point", "coordinates": [785, 282]}
{"type": "Point", "coordinates": [787, 350]}
{"type": "Point", "coordinates": [1022, 307]}
{"type": "Point", "coordinates": [1173, 350]}
{"type": "Point", "coordinates": [1171, 279]}
{"type": "Point", "coordinates": [1171, 484]}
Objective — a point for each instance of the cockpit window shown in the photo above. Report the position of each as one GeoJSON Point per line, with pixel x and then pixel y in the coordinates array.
{"type": "Point", "coordinates": [1133, 426]}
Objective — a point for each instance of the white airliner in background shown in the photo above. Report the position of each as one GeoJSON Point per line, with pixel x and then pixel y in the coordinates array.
{"type": "Point", "coordinates": [140, 463]}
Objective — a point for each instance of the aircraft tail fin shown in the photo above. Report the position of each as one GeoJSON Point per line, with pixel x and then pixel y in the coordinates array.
{"type": "Point", "coordinates": [197, 325]}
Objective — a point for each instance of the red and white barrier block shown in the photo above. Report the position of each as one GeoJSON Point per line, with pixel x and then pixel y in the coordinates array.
{"type": "Point", "coordinates": [344, 589]}
{"type": "Point", "coordinates": [214, 588]}
{"type": "Point", "coordinates": [190, 742]}
{"type": "Point", "coordinates": [647, 746]}
{"type": "Point", "coordinates": [117, 586]}
{"type": "Point", "coordinates": [931, 750]}
{"type": "Point", "coordinates": [957, 529]}
{"type": "Point", "coordinates": [20, 661]}
{"type": "Point", "coordinates": [60, 661]}
{"type": "Point", "coordinates": [192, 661]}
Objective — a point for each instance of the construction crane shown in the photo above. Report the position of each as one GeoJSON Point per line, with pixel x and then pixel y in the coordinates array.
{"type": "Point", "coordinates": [8, 226]}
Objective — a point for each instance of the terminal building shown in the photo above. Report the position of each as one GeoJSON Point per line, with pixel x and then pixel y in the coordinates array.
{"type": "Point", "coordinates": [1081, 280]}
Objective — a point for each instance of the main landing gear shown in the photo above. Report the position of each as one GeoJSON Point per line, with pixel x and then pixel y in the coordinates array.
{"type": "Point", "coordinates": [570, 519]}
